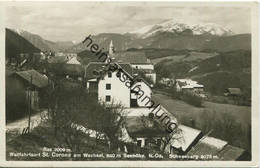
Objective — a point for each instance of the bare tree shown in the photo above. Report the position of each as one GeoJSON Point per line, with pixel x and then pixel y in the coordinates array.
{"type": "Point", "coordinates": [108, 119]}
{"type": "Point", "coordinates": [67, 109]}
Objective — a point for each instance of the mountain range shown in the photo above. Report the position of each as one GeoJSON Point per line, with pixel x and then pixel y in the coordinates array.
{"type": "Point", "coordinates": [174, 35]}
{"type": "Point", "coordinates": [166, 35]}
{"type": "Point", "coordinates": [180, 27]}
{"type": "Point", "coordinates": [41, 43]}
{"type": "Point", "coordinates": [166, 41]}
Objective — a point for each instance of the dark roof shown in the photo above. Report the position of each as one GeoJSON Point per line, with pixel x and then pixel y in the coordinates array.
{"type": "Point", "coordinates": [37, 79]}
{"type": "Point", "coordinates": [234, 91]}
{"type": "Point", "coordinates": [230, 153]}
{"type": "Point", "coordinates": [208, 145]}
{"type": "Point", "coordinates": [203, 149]}
{"type": "Point", "coordinates": [92, 66]}
{"type": "Point", "coordinates": [133, 57]}
{"type": "Point", "coordinates": [137, 126]}
{"type": "Point", "coordinates": [58, 59]}
{"type": "Point", "coordinates": [66, 69]}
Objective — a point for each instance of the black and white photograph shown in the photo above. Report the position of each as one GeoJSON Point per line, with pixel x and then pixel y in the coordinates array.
{"type": "Point", "coordinates": [130, 81]}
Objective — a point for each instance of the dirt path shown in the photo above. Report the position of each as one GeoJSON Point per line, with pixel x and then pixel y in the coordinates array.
{"type": "Point", "coordinates": [19, 125]}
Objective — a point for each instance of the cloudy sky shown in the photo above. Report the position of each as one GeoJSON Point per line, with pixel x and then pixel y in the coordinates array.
{"type": "Point", "coordinates": [68, 21]}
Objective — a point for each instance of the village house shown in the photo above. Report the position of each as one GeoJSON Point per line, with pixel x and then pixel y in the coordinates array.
{"type": "Point", "coordinates": [144, 131]}
{"type": "Point", "coordinates": [73, 60]}
{"type": "Point", "coordinates": [20, 86]}
{"type": "Point", "coordinates": [235, 92]}
{"type": "Point", "coordinates": [184, 140]}
{"type": "Point", "coordinates": [188, 85]}
{"type": "Point", "coordinates": [110, 87]}
{"type": "Point", "coordinates": [60, 57]}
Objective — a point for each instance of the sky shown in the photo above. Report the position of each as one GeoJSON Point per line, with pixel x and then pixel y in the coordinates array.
{"type": "Point", "coordinates": [68, 21]}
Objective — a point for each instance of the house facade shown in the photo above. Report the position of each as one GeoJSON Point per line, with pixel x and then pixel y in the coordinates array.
{"type": "Point", "coordinates": [114, 87]}
{"type": "Point", "coordinates": [73, 60]}
{"type": "Point", "coordinates": [112, 90]}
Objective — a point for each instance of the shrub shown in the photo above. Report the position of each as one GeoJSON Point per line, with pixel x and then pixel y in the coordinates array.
{"type": "Point", "coordinates": [192, 99]}
{"type": "Point", "coordinates": [175, 94]}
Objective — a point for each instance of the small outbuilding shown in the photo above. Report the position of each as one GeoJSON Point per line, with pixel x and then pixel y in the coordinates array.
{"type": "Point", "coordinates": [233, 92]}
{"type": "Point", "coordinates": [21, 88]}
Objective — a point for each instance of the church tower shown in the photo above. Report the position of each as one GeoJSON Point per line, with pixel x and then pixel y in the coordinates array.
{"type": "Point", "coordinates": [111, 50]}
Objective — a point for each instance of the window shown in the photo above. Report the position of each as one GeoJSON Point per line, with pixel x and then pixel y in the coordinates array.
{"type": "Point", "coordinates": [118, 74]}
{"type": "Point", "coordinates": [109, 74]}
{"type": "Point", "coordinates": [139, 143]}
{"type": "Point", "coordinates": [108, 86]}
{"type": "Point", "coordinates": [108, 98]}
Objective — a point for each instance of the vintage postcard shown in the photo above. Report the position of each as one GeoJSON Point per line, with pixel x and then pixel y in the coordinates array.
{"type": "Point", "coordinates": [139, 84]}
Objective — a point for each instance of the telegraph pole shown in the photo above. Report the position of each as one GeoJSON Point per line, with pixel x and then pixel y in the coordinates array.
{"type": "Point", "coordinates": [30, 104]}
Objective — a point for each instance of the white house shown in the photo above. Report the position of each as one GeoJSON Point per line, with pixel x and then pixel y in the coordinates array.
{"type": "Point", "coordinates": [188, 84]}
{"type": "Point", "coordinates": [112, 86]}
{"type": "Point", "coordinates": [73, 60]}
{"type": "Point", "coordinates": [115, 86]}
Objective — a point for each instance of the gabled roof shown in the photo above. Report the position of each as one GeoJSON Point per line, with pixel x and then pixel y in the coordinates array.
{"type": "Point", "coordinates": [188, 84]}
{"type": "Point", "coordinates": [186, 137]}
{"type": "Point", "coordinates": [38, 79]}
{"type": "Point", "coordinates": [208, 145]}
{"type": "Point", "coordinates": [73, 60]}
{"type": "Point", "coordinates": [98, 66]}
{"type": "Point", "coordinates": [133, 57]}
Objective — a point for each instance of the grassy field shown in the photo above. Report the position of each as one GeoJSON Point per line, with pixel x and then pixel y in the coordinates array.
{"type": "Point", "coordinates": [173, 58]}
{"type": "Point", "coordinates": [191, 56]}
{"type": "Point", "coordinates": [179, 108]}
{"type": "Point", "coordinates": [228, 122]}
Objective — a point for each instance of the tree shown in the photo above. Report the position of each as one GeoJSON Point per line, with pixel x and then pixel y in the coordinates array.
{"type": "Point", "coordinates": [67, 111]}
{"type": "Point", "coordinates": [109, 120]}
